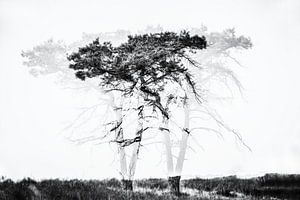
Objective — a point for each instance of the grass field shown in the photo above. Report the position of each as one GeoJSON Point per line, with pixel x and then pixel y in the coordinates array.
{"type": "Point", "coordinates": [270, 186]}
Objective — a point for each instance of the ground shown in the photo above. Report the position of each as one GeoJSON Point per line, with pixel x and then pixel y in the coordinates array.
{"type": "Point", "coordinates": [270, 186]}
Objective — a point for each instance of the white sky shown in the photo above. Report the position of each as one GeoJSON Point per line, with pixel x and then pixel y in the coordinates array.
{"type": "Point", "coordinates": [34, 110]}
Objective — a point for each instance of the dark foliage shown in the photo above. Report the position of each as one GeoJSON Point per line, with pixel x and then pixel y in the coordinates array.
{"type": "Point", "coordinates": [153, 183]}
{"type": "Point", "coordinates": [273, 185]}
{"type": "Point", "coordinates": [278, 192]}
{"type": "Point", "coordinates": [280, 180]}
{"type": "Point", "coordinates": [145, 63]}
{"type": "Point", "coordinates": [113, 183]}
{"type": "Point", "coordinates": [231, 183]}
{"type": "Point", "coordinates": [74, 190]}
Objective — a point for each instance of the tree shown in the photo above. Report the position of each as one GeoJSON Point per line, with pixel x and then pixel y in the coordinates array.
{"type": "Point", "coordinates": [145, 65]}
{"type": "Point", "coordinates": [216, 68]}
{"type": "Point", "coordinates": [50, 58]}
{"type": "Point", "coordinates": [157, 73]}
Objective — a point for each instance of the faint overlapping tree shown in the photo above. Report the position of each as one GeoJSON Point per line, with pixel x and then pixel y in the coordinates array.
{"type": "Point", "coordinates": [50, 58]}
{"type": "Point", "coordinates": [162, 71]}
{"type": "Point", "coordinates": [210, 67]}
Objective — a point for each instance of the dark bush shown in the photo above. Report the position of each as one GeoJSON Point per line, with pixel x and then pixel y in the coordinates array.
{"type": "Point", "coordinates": [270, 185]}
{"type": "Point", "coordinates": [153, 183]}
{"type": "Point", "coordinates": [114, 183]}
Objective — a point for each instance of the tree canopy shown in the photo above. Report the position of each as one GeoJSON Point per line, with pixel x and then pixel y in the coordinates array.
{"type": "Point", "coordinates": [144, 64]}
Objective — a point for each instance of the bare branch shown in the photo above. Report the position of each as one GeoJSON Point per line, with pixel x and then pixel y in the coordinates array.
{"type": "Point", "coordinates": [209, 130]}
{"type": "Point", "coordinates": [222, 124]}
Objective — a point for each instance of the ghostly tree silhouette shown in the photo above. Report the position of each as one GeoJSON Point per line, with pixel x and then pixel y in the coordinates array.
{"type": "Point", "coordinates": [149, 75]}
{"type": "Point", "coordinates": [50, 58]}
{"type": "Point", "coordinates": [217, 65]}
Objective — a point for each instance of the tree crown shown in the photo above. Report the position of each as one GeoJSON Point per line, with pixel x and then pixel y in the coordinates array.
{"type": "Point", "coordinates": [145, 63]}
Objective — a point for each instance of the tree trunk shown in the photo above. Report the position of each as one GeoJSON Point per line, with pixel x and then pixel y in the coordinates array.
{"type": "Point", "coordinates": [121, 150]}
{"type": "Point", "coordinates": [174, 185]}
{"type": "Point", "coordinates": [127, 184]}
{"type": "Point", "coordinates": [119, 136]}
{"type": "Point", "coordinates": [184, 140]}
{"type": "Point", "coordinates": [137, 144]}
{"type": "Point", "coordinates": [168, 146]}
{"type": "Point", "coordinates": [133, 161]}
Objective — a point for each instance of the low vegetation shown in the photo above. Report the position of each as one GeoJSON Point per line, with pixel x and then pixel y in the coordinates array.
{"type": "Point", "coordinates": [270, 186]}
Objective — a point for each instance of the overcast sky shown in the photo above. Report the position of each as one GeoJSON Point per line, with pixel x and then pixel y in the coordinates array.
{"type": "Point", "coordinates": [33, 111]}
